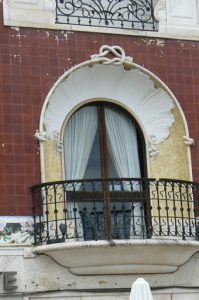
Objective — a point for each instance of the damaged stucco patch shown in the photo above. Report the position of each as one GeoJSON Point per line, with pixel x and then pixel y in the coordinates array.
{"type": "Point", "coordinates": [160, 43]}
{"type": "Point", "coordinates": [156, 42]}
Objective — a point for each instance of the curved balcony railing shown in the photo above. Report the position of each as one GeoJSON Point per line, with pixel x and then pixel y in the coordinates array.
{"type": "Point", "coordinates": [127, 208]}
{"type": "Point", "coordinates": [125, 14]}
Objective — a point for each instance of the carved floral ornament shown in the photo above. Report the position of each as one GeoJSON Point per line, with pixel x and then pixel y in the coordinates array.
{"type": "Point", "coordinates": [160, 10]}
{"type": "Point", "coordinates": [98, 78]}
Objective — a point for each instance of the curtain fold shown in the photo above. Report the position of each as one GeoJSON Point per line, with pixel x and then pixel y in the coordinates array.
{"type": "Point", "coordinates": [79, 136]}
{"type": "Point", "coordinates": [123, 146]}
{"type": "Point", "coordinates": [78, 141]}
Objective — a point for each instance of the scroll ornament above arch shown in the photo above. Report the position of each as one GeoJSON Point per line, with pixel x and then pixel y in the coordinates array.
{"type": "Point", "coordinates": [111, 76]}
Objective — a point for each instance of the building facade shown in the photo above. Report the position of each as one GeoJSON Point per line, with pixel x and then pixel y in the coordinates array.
{"type": "Point", "coordinates": [99, 148]}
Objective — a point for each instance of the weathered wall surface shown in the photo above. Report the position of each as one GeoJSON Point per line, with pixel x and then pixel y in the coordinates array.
{"type": "Point", "coordinates": [172, 159]}
{"type": "Point", "coordinates": [31, 60]}
{"type": "Point", "coordinates": [40, 276]}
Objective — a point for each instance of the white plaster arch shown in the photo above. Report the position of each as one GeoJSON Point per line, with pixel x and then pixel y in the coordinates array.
{"type": "Point", "coordinates": [132, 88]}
{"type": "Point", "coordinates": [128, 84]}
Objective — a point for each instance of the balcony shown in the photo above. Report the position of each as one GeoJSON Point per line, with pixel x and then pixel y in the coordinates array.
{"type": "Point", "coordinates": [117, 226]}
{"type": "Point", "coordinates": [157, 18]}
{"type": "Point", "coordinates": [124, 14]}
{"type": "Point", "coordinates": [131, 225]}
{"type": "Point", "coordinates": [85, 210]}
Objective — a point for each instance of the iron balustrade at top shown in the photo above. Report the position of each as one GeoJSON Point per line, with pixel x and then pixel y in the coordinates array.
{"type": "Point", "coordinates": [125, 208]}
{"type": "Point", "coordinates": [126, 14]}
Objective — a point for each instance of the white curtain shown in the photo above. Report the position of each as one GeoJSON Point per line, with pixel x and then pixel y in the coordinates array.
{"type": "Point", "coordinates": [79, 136]}
{"type": "Point", "coordinates": [78, 141]}
{"type": "Point", "coordinates": [122, 141]}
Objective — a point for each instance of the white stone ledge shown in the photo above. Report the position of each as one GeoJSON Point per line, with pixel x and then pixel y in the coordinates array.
{"type": "Point", "coordinates": [121, 256]}
{"type": "Point", "coordinates": [192, 35]}
{"type": "Point", "coordinates": [113, 243]}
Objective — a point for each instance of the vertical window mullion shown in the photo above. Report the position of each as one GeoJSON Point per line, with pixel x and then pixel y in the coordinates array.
{"type": "Point", "coordinates": [104, 171]}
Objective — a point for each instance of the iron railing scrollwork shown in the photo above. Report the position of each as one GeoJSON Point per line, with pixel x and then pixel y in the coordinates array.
{"type": "Point", "coordinates": [126, 14]}
{"type": "Point", "coordinates": [139, 209]}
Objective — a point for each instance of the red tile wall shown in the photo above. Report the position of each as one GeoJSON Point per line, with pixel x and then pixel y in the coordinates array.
{"type": "Point", "coordinates": [32, 60]}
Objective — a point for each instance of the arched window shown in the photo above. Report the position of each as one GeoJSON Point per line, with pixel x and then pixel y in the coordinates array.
{"type": "Point", "coordinates": [103, 147]}
{"type": "Point", "coordinates": [102, 140]}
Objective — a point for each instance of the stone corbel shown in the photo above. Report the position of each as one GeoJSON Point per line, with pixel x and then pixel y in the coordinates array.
{"type": "Point", "coordinates": [41, 136]}
{"type": "Point", "coordinates": [188, 141]}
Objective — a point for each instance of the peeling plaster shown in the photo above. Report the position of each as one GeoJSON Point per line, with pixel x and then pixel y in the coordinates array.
{"type": "Point", "coordinates": [157, 42]}
{"type": "Point", "coordinates": [160, 43]}
{"type": "Point", "coordinates": [162, 53]}
{"type": "Point", "coordinates": [67, 33]}
{"type": "Point", "coordinates": [17, 57]}
{"type": "Point", "coordinates": [14, 27]}
{"type": "Point", "coordinates": [148, 42]}
{"type": "Point", "coordinates": [57, 39]}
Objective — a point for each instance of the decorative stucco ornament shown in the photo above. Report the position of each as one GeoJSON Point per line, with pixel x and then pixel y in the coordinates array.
{"type": "Point", "coordinates": [57, 140]}
{"type": "Point", "coordinates": [105, 78]}
{"type": "Point", "coordinates": [116, 51]}
{"type": "Point", "coordinates": [153, 151]}
{"type": "Point", "coordinates": [41, 135]}
{"type": "Point", "coordinates": [160, 10]}
{"type": "Point", "coordinates": [188, 141]}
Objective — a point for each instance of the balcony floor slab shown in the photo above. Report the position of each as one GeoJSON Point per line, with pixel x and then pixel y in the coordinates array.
{"type": "Point", "coordinates": [121, 256]}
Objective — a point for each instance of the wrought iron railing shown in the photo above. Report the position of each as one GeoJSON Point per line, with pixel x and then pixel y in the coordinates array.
{"type": "Point", "coordinates": [127, 14]}
{"type": "Point", "coordinates": [124, 208]}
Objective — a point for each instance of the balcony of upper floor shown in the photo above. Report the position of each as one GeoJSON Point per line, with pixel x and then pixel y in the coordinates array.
{"type": "Point", "coordinates": [121, 209]}
{"type": "Point", "coordinates": [124, 14]}
{"type": "Point", "coordinates": [154, 18]}
{"type": "Point", "coordinates": [123, 225]}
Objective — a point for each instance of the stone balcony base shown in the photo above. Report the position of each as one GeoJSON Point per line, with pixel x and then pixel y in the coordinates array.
{"type": "Point", "coordinates": [121, 256]}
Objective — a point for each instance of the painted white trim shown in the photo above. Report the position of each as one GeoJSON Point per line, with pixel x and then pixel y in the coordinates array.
{"type": "Point", "coordinates": [113, 31]}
